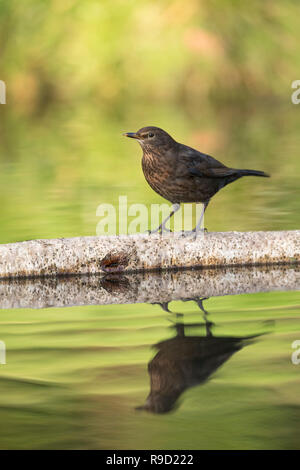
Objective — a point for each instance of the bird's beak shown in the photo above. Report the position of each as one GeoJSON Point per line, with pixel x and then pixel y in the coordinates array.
{"type": "Point", "coordinates": [133, 135]}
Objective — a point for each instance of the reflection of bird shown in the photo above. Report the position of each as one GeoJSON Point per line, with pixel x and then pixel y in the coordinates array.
{"type": "Point", "coordinates": [180, 173]}
{"type": "Point", "coordinates": [163, 305]}
{"type": "Point", "coordinates": [185, 361]}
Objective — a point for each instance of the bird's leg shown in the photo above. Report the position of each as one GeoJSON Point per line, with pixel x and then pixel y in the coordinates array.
{"type": "Point", "coordinates": [162, 228]}
{"type": "Point", "coordinates": [198, 227]}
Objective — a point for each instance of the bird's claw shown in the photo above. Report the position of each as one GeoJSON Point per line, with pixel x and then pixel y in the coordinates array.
{"type": "Point", "coordinates": [193, 232]}
{"type": "Point", "coordinates": [159, 230]}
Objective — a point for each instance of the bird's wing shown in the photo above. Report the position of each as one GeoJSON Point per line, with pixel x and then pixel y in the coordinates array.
{"type": "Point", "coordinates": [200, 164]}
{"type": "Point", "coordinates": [212, 172]}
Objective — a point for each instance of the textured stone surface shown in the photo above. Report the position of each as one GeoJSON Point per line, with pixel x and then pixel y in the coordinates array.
{"type": "Point", "coordinates": [88, 255]}
{"type": "Point", "coordinates": [145, 287]}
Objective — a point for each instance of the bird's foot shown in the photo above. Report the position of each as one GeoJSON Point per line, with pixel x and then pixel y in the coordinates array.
{"type": "Point", "coordinates": [199, 230]}
{"type": "Point", "coordinates": [193, 232]}
{"type": "Point", "coordinates": [160, 230]}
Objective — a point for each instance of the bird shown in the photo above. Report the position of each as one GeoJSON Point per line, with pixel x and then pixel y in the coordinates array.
{"type": "Point", "coordinates": [182, 174]}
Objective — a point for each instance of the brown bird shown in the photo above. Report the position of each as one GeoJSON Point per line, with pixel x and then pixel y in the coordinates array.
{"type": "Point", "coordinates": [182, 174]}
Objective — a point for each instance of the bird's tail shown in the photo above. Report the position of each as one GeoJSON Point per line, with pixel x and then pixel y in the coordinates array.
{"type": "Point", "coordinates": [253, 173]}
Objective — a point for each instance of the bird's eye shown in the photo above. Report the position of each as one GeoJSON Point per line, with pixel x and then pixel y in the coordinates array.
{"type": "Point", "coordinates": [150, 134]}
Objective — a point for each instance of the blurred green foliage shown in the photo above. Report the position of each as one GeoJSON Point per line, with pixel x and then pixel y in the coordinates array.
{"type": "Point", "coordinates": [114, 53]}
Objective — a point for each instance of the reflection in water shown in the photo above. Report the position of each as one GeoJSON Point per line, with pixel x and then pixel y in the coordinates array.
{"type": "Point", "coordinates": [160, 287]}
{"type": "Point", "coordinates": [185, 361]}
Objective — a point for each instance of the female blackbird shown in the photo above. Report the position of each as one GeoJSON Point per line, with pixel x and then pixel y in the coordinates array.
{"type": "Point", "coordinates": [180, 173]}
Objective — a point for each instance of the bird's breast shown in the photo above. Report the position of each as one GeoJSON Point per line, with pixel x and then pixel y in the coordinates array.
{"type": "Point", "coordinates": [158, 172]}
{"type": "Point", "coordinates": [156, 167]}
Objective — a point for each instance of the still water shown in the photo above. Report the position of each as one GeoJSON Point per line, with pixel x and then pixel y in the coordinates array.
{"type": "Point", "coordinates": [206, 361]}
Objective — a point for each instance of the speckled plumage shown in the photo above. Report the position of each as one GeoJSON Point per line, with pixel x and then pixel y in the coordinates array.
{"type": "Point", "coordinates": [180, 173]}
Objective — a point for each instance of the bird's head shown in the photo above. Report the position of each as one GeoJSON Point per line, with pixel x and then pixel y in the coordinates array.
{"type": "Point", "coordinates": [151, 137]}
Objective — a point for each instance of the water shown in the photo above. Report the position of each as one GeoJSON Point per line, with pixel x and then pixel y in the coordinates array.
{"type": "Point", "coordinates": [220, 369]}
